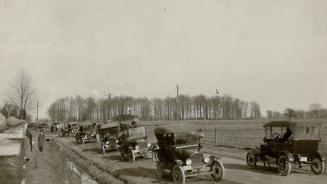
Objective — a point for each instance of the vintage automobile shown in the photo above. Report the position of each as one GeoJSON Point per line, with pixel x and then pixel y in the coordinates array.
{"type": "Point", "coordinates": [63, 132]}
{"type": "Point", "coordinates": [108, 135]}
{"type": "Point", "coordinates": [86, 132]}
{"type": "Point", "coordinates": [133, 144]}
{"type": "Point", "coordinates": [180, 155]}
{"type": "Point", "coordinates": [288, 143]}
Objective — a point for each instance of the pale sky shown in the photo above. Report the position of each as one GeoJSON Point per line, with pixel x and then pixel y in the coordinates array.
{"type": "Point", "coordinates": [272, 52]}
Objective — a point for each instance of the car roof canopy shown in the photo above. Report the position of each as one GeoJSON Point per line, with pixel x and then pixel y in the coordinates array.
{"type": "Point", "coordinates": [300, 130]}
{"type": "Point", "coordinates": [278, 124]}
{"type": "Point", "coordinates": [109, 125]}
{"type": "Point", "coordinates": [180, 137]}
{"type": "Point", "coordinates": [163, 130]}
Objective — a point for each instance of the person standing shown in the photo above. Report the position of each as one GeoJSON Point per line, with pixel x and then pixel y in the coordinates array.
{"type": "Point", "coordinates": [41, 140]}
{"type": "Point", "coordinates": [28, 141]}
{"type": "Point", "coordinates": [30, 137]}
{"type": "Point", "coordinates": [40, 143]}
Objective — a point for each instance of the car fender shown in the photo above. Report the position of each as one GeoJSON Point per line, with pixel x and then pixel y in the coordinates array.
{"type": "Point", "coordinates": [178, 162]}
{"type": "Point", "coordinates": [213, 158]}
{"type": "Point", "coordinates": [322, 155]}
{"type": "Point", "coordinates": [256, 151]}
{"type": "Point", "coordinates": [288, 155]}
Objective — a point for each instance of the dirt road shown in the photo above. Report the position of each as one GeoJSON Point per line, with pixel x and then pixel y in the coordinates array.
{"type": "Point", "coordinates": [143, 171]}
{"type": "Point", "coordinates": [52, 166]}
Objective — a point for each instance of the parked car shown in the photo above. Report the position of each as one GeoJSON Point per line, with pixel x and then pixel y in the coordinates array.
{"type": "Point", "coordinates": [133, 144]}
{"type": "Point", "coordinates": [288, 143]}
{"type": "Point", "coordinates": [108, 135]}
{"type": "Point", "coordinates": [86, 132]}
{"type": "Point", "coordinates": [63, 132]}
{"type": "Point", "coordinates": [180, 155]}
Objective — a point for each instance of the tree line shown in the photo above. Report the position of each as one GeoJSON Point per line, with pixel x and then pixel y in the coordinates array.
{"type": "Point", "coordinates": [184, 107]}
{"type": "Point", "coordinates": [315, 111]}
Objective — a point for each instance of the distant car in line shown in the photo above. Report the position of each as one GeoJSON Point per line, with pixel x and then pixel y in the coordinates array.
{"type": "Point", "coordinates": [288, 143]}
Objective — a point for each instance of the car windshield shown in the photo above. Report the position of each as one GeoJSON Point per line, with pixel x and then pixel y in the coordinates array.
{"type": "Point", "coordinates": [272, 132]}
{"type": "Point", "coordinates": [184, 139]}
{"type": "Point", "coordinates": [112, 131]}
{"type": "Point", "coordinates": [135, 133]}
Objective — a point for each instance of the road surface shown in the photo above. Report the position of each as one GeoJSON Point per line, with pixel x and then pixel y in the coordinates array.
{"type": "Point", "coordinates": [143, 170]}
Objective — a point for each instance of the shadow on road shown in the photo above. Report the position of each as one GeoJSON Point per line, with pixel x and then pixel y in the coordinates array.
{"type": "Point", "coordinates": [93, 150]}
{"type": "Point", "coordinates": [258, 169]}
{"type": "Point", "coordinates": [113, 157]}
{"type": "Point", "coordinates": [138, 172]}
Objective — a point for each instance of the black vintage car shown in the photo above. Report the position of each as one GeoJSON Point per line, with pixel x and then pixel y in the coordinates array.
{"type": "Point", "coordinates": [180, 155]}
{"type": "Point", "coordinates": [86, 132]}
{"type": "Point", "coordinates": [108, 135]}
{"type": "Point", "coordinates": [133, 144]}
{"type": "Point", "coordinates": [288, 143]}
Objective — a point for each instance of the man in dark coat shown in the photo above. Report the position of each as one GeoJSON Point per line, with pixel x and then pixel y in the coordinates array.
{"type": "Point", "coordinates": [41, 140]}
{"type": "Point", "coordinates": [29, 136]}
{"type": "Point", "coordinates": [287, 134]}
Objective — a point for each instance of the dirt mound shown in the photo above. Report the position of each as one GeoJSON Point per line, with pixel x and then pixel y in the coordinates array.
{"type": "Point", "coordinates": [12, 121]}
{"type": "Point", "coordinates": [3, 124]}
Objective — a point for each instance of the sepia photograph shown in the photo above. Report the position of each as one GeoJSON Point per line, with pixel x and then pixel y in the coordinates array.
{"type": "Point", "coordinates": [163, 91]}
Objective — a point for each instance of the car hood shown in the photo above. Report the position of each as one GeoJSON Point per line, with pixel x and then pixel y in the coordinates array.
{"type": "Point", "coordinates": [184, 154]}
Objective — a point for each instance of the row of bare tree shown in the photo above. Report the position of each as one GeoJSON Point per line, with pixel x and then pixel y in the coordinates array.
{"type": "Point", "coordinates": [315, 111]}
{"type": "Point", "coordinates": [21, 97]}
{"type": "Point", "coordinates": [169, 108]}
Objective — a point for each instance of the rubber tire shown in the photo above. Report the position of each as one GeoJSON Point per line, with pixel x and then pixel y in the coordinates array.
{"type": "Point", "coordinates": [159, 171]}
{"type": "Point", "coordinates": [250, 155]}
{"type": "Point", "coordinates": [319, 163]}
{"type": "Point", "coordinates": [219, 169]}
{"type": "Point", "coordinates": [284, 162]}
{"type": "Point", "coordinates": [178, 171]}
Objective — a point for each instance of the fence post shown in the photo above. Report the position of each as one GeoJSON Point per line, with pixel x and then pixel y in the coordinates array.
{"type": "Point", "coordinates": [215, 135]}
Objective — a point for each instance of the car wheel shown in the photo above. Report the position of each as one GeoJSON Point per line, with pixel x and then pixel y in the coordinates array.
{"type": "Point", "coordinates": [160, 172]}
{"type": "Point", "coordinates": [284, 166]}
{"type": "Point", "coordinates": [251, 160]}
{"type": "Point", "coordinates": [131, 156]}
{"type": "Point", "coordinates": [317, 166]}
{"type": "Point", "coordinates": [218, 170]}
{"type": "Point", "coordinates": [178, 175]}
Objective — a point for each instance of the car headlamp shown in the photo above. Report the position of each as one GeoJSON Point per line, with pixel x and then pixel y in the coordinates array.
{"type": "Point", "coordinates": [107, 142]}
{"type": "Point", "coordinates": [188, 162]}
{"type": "Point", "coordinates": [137, 147]}
{"type": "Point", "coordinates": [206, 160]}
{"type": "Point", "coordinates": [148, 145]}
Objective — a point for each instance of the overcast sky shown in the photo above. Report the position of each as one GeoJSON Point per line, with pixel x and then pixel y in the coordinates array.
{"type": "Point", "coordinates": [273, 52]}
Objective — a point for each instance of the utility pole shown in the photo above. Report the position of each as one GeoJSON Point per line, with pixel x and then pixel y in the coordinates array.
{"type": "Point", "coordinates": [177, 100]}
{"type": "Point", "coordinates": [218, 113]}
{"type": "Point", "coordinates": [37, 110]}
{"type": "Point", "coordinates": [107, 117]}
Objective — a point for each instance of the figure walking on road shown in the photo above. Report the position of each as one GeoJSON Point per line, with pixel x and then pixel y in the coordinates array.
{"type": "Point", "coordinates": [30, 137]}
{"type": "Point", "coordinates": [41, 140]}
{"type": "Point", "coordinates": [40, 143]}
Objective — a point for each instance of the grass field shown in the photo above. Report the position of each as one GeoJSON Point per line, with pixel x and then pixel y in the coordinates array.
{"type": "Point", "coordinates": [231, 133]}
